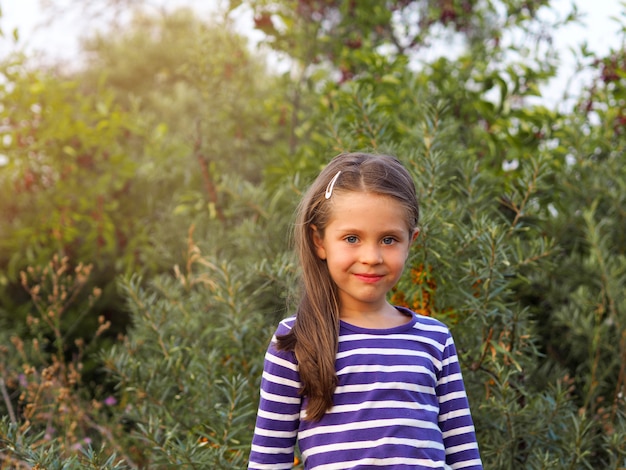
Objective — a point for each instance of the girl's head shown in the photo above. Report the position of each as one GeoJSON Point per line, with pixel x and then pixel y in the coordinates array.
{"type": "Point", "coordinates": [355, 172]}
{"type": "Point", "coordinates": [314, 336]}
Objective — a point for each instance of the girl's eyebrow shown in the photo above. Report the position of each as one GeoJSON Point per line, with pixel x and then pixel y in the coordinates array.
{"type": "Point", "coordinates": [397, 231]}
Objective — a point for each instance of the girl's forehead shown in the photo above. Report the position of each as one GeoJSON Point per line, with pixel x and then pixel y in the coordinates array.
{"type": "Point", "coordinates": [344, 197]}
{"type": "Point", "coordinates": [343, 203]}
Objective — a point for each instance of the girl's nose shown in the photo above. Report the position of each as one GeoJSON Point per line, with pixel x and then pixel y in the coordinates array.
{"type": "Point", "coordinates": [371, 254]}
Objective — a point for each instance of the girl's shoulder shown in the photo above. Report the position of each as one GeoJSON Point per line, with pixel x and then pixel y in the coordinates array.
{"type": "Point", "coordinates": [427, 326]}
{"type": "Point", "coordinates": [285, 325]}
{"type": "Point", "coordinates": [430, 321]}
{"type": "Point", "coordinates": [419, 319]}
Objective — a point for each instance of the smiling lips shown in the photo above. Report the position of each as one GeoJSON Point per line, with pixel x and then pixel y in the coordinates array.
{"type": "Point", "coordinates": [369, 278]}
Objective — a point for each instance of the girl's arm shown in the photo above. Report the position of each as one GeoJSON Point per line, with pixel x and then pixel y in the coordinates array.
{"type": "Point", "coordinates": [278, 417]}
{"type": "Point", "coordinates": [455, 419]}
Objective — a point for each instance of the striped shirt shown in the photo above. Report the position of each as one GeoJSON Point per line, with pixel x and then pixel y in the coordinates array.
{"type": "Point", "coordinates": [400, 403]}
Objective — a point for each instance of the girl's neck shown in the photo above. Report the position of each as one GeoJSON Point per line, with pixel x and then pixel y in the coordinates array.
{"type": "Point", "coordinates": [386, 317]}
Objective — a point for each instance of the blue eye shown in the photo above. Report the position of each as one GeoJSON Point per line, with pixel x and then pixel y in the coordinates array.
{"type": "Point", "coordinates": [351, 239]}
{"type": "Point", "coordinates": [388, 240]}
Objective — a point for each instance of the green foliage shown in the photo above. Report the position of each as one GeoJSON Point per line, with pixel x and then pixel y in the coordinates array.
{"type": "Point", "coordinates": [50, 411]}
{"type": "Point", "coordinates": [111, 166]}
{"type": "Point", "coordinates": [71, 158]}
{"type": "Point", "coordinates": [186, 376]}
{"type": "Point", "coordinates": [581, 310]}
{"type": "Point", "coordinates": [195, 344]}
{"type": "Point", "coordinates": [193, 78]}
{"type": "Point", "coordinates": [21, 449]}
{"type": "Point", "coordinates": [215, 129]}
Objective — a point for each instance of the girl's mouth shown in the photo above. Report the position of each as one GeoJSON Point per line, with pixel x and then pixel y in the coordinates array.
{"type": "Point", "coordinates": [369, 278]}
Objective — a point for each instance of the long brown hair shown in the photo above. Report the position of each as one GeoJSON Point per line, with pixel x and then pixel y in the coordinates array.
{"type": "Point", "coordinates": [315, 333]}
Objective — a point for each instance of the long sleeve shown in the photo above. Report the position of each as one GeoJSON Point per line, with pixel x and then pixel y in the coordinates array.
{"type": "Point", "coordinates": [455, 419]}
{"type": "Point", "coordinates": [278, 417]}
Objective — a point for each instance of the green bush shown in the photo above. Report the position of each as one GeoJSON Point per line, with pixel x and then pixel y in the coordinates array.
{"type": "Point", "coordinates": [184, 379]}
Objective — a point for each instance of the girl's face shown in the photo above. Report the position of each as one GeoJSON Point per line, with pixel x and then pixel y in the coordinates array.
{"type": "Point", "coordinates": [365, 245]}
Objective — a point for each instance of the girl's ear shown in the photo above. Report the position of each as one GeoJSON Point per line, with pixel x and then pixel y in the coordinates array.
{"type": "Point", "coordinates": [318, 241]}
{"type": "Point", "coordinates": [416, 233]}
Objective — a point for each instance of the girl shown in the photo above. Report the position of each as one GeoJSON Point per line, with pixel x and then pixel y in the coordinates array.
{"type": "Point", "coordinates": [357, 382]}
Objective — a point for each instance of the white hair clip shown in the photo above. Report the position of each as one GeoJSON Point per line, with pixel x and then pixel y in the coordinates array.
{"type": "Point", "coordinates": [331, 185]}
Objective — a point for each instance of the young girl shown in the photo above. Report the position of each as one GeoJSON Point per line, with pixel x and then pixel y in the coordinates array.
{"type": "Point", "coordinates": [357, 382]}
